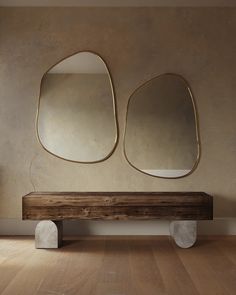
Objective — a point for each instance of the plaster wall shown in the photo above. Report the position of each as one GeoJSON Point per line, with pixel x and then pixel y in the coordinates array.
{"type": "Point", "coordinates": [137, 44]}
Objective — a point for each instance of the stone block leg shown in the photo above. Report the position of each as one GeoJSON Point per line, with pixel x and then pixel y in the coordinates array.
{"type": "Point", "coordinates": [184, 232]}
{"type": "Point", "coordinates": [48, 234]}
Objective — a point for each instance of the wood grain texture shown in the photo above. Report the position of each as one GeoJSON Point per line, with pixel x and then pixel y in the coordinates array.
{"type": "Point", "coordinates": [108, 265]}
{"type": "Point", "coordinates": [118, 205]}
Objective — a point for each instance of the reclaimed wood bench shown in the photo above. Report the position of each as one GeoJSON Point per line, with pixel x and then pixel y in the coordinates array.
{"type": "Point", "coordinates": [183, 209]}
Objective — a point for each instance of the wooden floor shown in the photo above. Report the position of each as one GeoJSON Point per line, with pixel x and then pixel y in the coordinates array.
{"type": "Point", "coordinates": [118, 266]}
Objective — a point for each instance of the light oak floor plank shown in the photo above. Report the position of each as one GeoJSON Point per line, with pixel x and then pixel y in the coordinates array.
{"type": "Point", "coordinates": [115, 274]}
{"type": "Point", "coordinates": [146, 275]}
{"type": "Point", "coordinates": [212, 271]}
{"type": "Point", "coordinates": [201, 269]}
{"type": "Point", "coordinates": [118, 265]}
{"type": "Point", "coordinates": [176, 279]}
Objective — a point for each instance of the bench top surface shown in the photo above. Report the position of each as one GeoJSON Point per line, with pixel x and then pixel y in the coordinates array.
{"type": "Point", "coordinates": [111, 194]}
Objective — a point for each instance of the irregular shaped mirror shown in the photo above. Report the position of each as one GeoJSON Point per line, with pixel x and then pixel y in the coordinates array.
{"type": "Point", "coordinates": [76, 114]}
{"type": "Point", "coordinates": [161, 137]}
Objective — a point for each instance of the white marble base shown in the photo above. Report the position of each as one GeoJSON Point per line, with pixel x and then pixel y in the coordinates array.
{"type": "Point", "coordinates": [184, 232]}
{"type": "Point", "coordinates": [48, 234]}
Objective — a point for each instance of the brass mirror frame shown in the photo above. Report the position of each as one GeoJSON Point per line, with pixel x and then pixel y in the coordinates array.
{"type": "Point", "coordinates": [113, 103]}
{"type": "Point", "coordinates": [196, 126]}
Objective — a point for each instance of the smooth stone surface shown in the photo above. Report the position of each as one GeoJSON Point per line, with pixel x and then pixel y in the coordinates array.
{"type": "Point", "coordinates": [184, 232]}
{"type": "Point", "coordinates": [48, 234]}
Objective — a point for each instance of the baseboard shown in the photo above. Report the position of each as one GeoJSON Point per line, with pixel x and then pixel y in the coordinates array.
{"type": "Point", "coordinates": [218, 226]}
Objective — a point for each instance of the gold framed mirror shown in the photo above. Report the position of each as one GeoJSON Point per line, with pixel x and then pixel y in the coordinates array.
{"type": "Point", "coordinates": [76, 116]}
{"type": "Point", "coordinates": [161, 134]}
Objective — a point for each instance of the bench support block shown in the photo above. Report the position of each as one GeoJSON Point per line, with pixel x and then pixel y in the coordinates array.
{"type": "Point", "coordinates": [184, 232]}
{"type": "Point", "coordinates": [48, 234]}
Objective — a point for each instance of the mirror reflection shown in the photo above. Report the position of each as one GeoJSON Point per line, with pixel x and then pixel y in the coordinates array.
{"type": "Point", "coordinates": [161, 137]}
{"type": "Point", "coordinates": [76, 114]}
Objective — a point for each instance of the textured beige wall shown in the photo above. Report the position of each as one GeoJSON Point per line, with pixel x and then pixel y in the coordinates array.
{"type": "Point", "coordinates": [137, 44]}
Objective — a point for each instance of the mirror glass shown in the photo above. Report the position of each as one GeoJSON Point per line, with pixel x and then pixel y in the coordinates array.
{"type": "Point", "coordinates": [161, 137]}
{"type": "Point", "coordinates": [76, 113]}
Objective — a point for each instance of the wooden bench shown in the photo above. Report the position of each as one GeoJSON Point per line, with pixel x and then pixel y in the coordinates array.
{"type": "Point", "coordinates": [182, 208]}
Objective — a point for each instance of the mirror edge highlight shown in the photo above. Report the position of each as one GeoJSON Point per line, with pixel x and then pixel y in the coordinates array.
{"type": "Point", "coordinates": [196, 118]}
{"type": "Point", "coordinates": [115, 115]}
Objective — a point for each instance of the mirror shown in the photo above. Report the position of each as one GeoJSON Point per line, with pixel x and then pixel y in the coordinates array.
{"type": "Point", "coordinates": [161, 136]}
{"type": "Point", "coordinates": [76, 118]}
